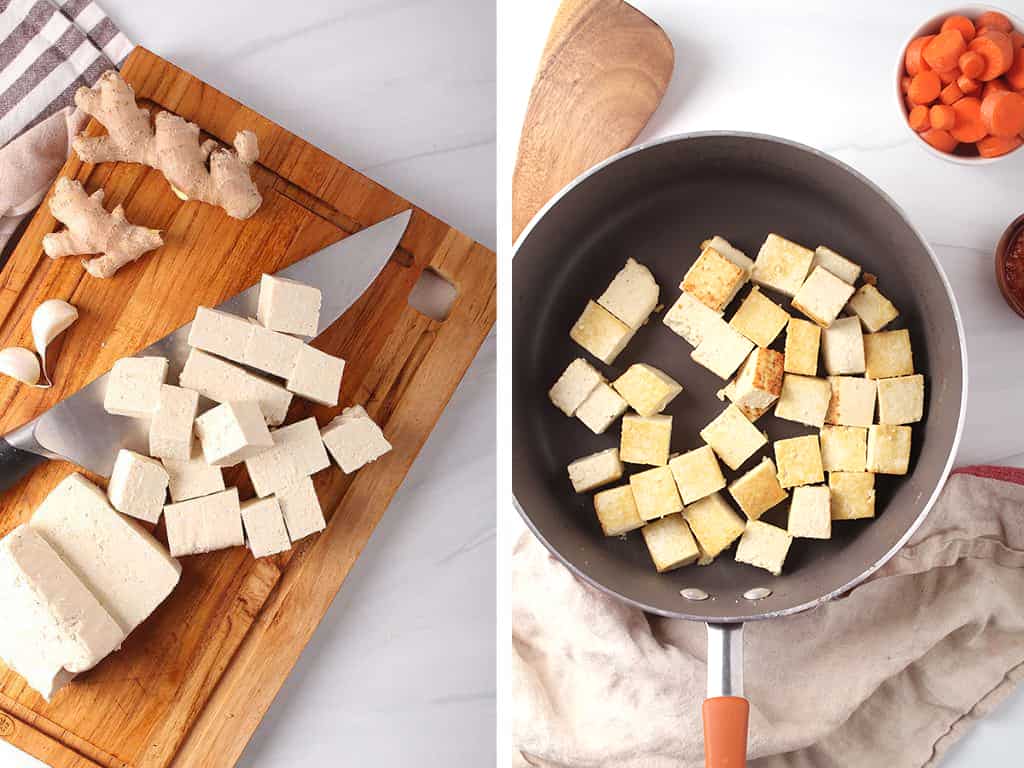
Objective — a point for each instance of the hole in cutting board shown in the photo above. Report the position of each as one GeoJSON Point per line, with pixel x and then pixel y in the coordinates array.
{"type": "Point", "coordinates": [433, 295]}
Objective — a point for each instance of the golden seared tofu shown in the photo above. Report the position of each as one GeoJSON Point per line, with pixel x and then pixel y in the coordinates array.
{"type": "Point", "coordinates": [632, 295]}
{"type": "Point", "coordinates": [731, 252]}
{"type": "Point", "coordinates": [764, 546]}
{"type": "Point", "coordinates": [601, 408]}
{"type": "Point", "coordinates": [901, 399]}
{"type": "Point", "coordinates": [838, 265]}
{"type": "Point", "coordinates": [759, 318]}
{"type": "Point", "coordinates": [697, 474]}
{"type": "Point", "coordinates": [655, 493]}
{"type": "Point", "coordinates": [801, 352]}
{"type": "Point", "coordinates": [781, 265]}
{"type": "Point", "coordinates": [595, 470]}
{"type": "Point", "coordinates": [616, 511]}
{"type": "Point", "coordinates": [888, 449]}
{"type": "Point", "coordinates": [733, 437]}
{"type": "Point", "coordinates": [713, 280]}
{"type": "Point", "coordinates": [714, 523]}
{"type": "Point", "coordinates": [758, 490]}
{"type": "Point", "coordinates": [645, 439]}
{"type": "Point", "coordinates": [842, 347]}
{"type": "Point", "coordinates": [852, 495]}
{"type": "Point", "coordinates": [852, 403]}
{"type": "Point", "coordinates": [647, 389]}
{"type": "Point", "coordinates": [670, 543]}
{"type": "Point", "coordinates": [575, 384]}
{"type": "Point", "coordinates": [873, 309]}
{"type": "Point", "coordinates": [688, 317]}
{"type": "Point", "coordinates": [888, 354]}
{"type": "Point", "coordinates": [810, 513]}
{"type": "Point", "coordinates": [799, 461]}
{"type": "Point", "coordinates": [844, 449]}
{"type": "Point", "coordinates": [804, 399]}
{"type": "Point", "coordinates": [822, 296]}
{"type": "Point", "coordinates": [757, 384]}
{"type": "Point", "coordinates": [722, 349]}
{"type": "Point", "coordinates": [601, 333]}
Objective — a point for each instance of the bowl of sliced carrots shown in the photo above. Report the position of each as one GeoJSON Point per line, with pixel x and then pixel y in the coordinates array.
{"type": "Point", "coordinates": [960, 84]}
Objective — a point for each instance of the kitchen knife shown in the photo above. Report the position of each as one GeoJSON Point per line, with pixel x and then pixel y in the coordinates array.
{"type": "Point", "coordinates": [78, 430]}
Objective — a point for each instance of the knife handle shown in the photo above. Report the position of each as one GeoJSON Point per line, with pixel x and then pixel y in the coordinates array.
{"type": "Point", "coordinates": [15, 463]}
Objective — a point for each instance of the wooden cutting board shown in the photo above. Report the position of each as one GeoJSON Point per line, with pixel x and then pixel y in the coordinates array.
{"type": "Point", "coordinates": [191, 684]}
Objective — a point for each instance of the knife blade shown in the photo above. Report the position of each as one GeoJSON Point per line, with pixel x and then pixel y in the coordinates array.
{"type": "Point", "coordinates": [79, 430]}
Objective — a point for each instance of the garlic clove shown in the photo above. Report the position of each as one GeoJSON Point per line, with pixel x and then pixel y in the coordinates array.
{"type": "Point", "coordinates": [19, 363]}
{"type": "Point", "coordinates": [50, 320]}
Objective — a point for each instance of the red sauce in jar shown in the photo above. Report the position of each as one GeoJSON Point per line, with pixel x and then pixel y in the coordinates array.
{"type": "Point", "coordinates": [1013, 267]}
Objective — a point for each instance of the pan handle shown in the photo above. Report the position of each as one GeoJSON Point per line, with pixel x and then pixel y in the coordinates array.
{"type": "Point", "coordinates": [725, 710]}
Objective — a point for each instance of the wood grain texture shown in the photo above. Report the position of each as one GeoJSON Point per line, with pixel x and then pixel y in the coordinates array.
{"type": "Point", "coordinates": [192, 683]}
{"type": "Point", "coordinates": [603, 72]}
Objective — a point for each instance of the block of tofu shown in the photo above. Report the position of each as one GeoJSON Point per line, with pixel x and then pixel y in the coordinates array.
{"type": "Point", "coordinates": [271, 351]}
{"type": "Point", "coordinates": [838, 265]}
{"type": "Point", "coordinates": [232, 432]}
{"type": "Point", "coordinates": [852, 495]}
{"type": "Point", "coordinates": [852, 403]}
{"type": "Point", "coordinates": [648, 390]}
{"type": "Point", "coordinates": [901, 399]}
{"type": "Point", "coordinates": [220, 333]}
{"type": "Point", "coordinates": [722, 350]}
{"type": "Point", "coordinates": [759, 318]}
{"type": "Point", "coordinates": [842, 347]}
{"type": "Point", "coordinates": [616, 511]}
{"type": "Point", "coordinates": [288, 306]}
{"type": "Point", "coordinates": [732, 253]}
{"type": "Point", "coordinates": [888, 449]}
{"type": "Point", "coordinates": [601, 408]}
{"type": "Point", "coordinates": [170, 429]}
{"type": "Point", "coordinates": [764, 546]}
{"type": "Point", "coordinates": [193, 478]}
{"type": "Point", "coordinates": [697, 474]}
{"type": "Point", "coordinates": [273, 469]}
{"type": "Point", "coordinates": [822, 296]}
{"type": "Point", "coordinates": [133, 386]}
{"type": "Point", "coordinates": [802, 341]}
{"type": "Point", "coordinates": [798, 460]}
{"type": "Point", "coordinates": [733, 437]}
{"type": "Point", "coordinates": [316, 375]}
{"type": "Point", "coordinates": [804, 399]}
{"type": "Point", "coordinates": [655, 493]}
{"type": "Point", "coordinates": [128, 571]}
{"type": "Point", "coordinates": [888, 354]}
{"type": "Point", "coordinates": [757, 384]}
{"type": "Point", "coordinates": [301, 509]}
{"type": "Point", "coordinates": [574, 386]}
{"type": "Point", "coordinates": [53, 626]}
{"type": "Point", "coordinates": [714, 523]}
{"type": "Point", "coordinates": [758, 490]}
{"type": "Point", "coordinates": [138, 486]}
{"type": "Point", "coordinates": [223, 382]}
{"type": "Point", "coordinates": [810, 513]}
{"type": "Point", "coordinates": [632, 294]}
{"type": "Point", "coordinates": [302, 440]}
{"type": "Point", "coordinates": [844, 449]}
{"type": "Point", "coordinates": [781, 265]}
{"type": "Point", "coordinates": [354, 439]}
{"type": "Point", "coordinates": [205, 524]}
{"type": "Point", "coordinates": [670, 543]}
{"type": "Point", "coordinates": [601, 333]}
{"type": "Point", "coordinates": [265, 532]}
{"type": "Point", "coordinates": [645, 439]}
{"type": "Point", "coordinates": [595, 470]}
{"type": "Point", "coordinates": [873, 309]}
{"type": "Point", "coordinates": [713, 280]}
{"type": "Point", "coordinates": [688, 318]}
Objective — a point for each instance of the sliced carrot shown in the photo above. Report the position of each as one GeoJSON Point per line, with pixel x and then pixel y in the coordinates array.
{"type": "Point", "coordinates": [943, 51]}
{"type": "Point", "coordinates": [1003, 113]}
{"type": "Point", "coordinates": [941, 140]}
{"type": "Point", "coordinates": [994, 20]}
{"type": "Point", "coordinates": [994, 146]}
{"type": "Point", "coordinates": [960, 23]}
{"type": "Point", "coordinates": [918, 118]}
{"type": "Point", "coordinates": [950, 93]}
{"type": "Point", "coordinates": [1015, 74]}
{"type": "Point", "coordinates": [994, 85]}
{"type": "Point", "coordinates": [912, 60]}
{"type": "Point", "coordinates": [969, 125]}
{"type": "Point", "coordinates": [967, 85]}
{"type": "Point", "coordinates": [942, 116]}
{"type": "Point", "coordinates": [997, 50]}
{"type": "Point", "coordinates": [971, 64]}
{"type": "Point", "coordinates": [948, 76]}
{"type": "Point", "coordinates": [924, 87]}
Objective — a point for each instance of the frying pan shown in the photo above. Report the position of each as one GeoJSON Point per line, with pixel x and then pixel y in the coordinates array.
{"type": "Point", "coordinates": [656, 203]}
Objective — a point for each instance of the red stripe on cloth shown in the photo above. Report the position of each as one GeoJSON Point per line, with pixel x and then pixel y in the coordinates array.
{"type": "Point", "coordinates": [1006, 474]}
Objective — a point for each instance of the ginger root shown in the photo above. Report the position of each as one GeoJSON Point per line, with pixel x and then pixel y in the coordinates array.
{"type": "Point", "coordinates": [90, 229]}
{"type": "Point", "coordinates": [207, 172]}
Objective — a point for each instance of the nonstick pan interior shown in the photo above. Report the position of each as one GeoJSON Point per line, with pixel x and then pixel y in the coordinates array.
{"type": "Point", "coordinates": [656, 204]}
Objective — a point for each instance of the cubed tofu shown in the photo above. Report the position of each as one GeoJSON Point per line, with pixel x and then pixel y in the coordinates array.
{"type": "Point", "coordinates": [888, 354]}
{"type": "Point", "coordinates": [616, 511]}
{"type": "Point", "coordinates": [852, 495]}
{"type": "Point", "coordinates": [842, 347]}
{"type": "Point", "coordinates": [722, 350]}
{"type": "Point", "coordinates": [645, 439]}
{"type": "Point", "coordinates": [232, 432]}
{"type": "Point", "coordinates": [288, 306]}
{"type": "Point", "coordinates": [170, 429]}
{"type": "Point", "coordinates": [632, 295]}
{"type": "Point", "coordinates": [888, 449]}
{"type": "Point", "coordinates": [601, 409]}
{"type": "Point", "coordinates": [574, 386]}
{"type": "Point", "coordinates": [354, 439]}
{"type": "Point", "coordinates": [804, 399]}
{"type": "Point", "coordinates": [759, 318]}
{"type": "Point", "coordinates": [193, 478]}
{"type": "Point", "coordinates": [601, 333]}
{"type": "Point", "coordinates": [265, 532]}
{"type": "Point", "coordinates": [844, 449]}
{"type": "Point", "coordinates": [224, 382]}
{"type": "Point", "coordinates": [799, 461]}
{"type": "Point", "coordinates": [838, 265]}
{"type": "Point", "coordinates": [647, 389]}
{"type": "Point", "coordinates": [810, 513]}
{"type": "Point", "coordinates": [316, 375]}
{"type": "Point", "coordinates": [205, 524]}
{"type": "Point", "coordinates": [689, 318]}
{"type": "Point", "coordinates": [822, 296]}
{"type": "Point", "coordinates": [731, 252]}
{"type": "Point", "coordinates": [270, 351]}
{"type": "Point", "coordinates": [220, 333]}
{"type": "Point", "coordinates": [758, 490]}
{"type": "Point", "coordinates": [802, 341]}
{"type": "Point", "coordinates": [733, 437]}
{"type": "Point", "coordinates": [133, 386]}
{"type": "Point", "coordinates": [757, 384]}
{"type": "Point", "coordinates": [301, 509]}
{"type": "Point", "coordinates": [655, 493]}
{"type": "Point", "coordinates": [697, 474]}
{"type": "Point", "coordinates": [302, 440]}
{"type": "Point", "coordinates": [873, 309]}
{"type": "Point", "coordinates": [901, 399]}
{"type": "Point", "coordinates": [781, 265]}
{"type": "Point", "coordinates": [595, 470]}
{"type": "Point", "coordinates": [714, 524]}
{"type": "Point", "coordinates": [670, 543]}
{"type": "Point", "coordinates": [713, 280]}
{"type": "Point", "coordinates": [138, 486]}
{"type": "Point", "coordinates": [273, 469]}
{"type": "Point", "coordinates": [764, 546]}
{"type": "Point", "coordinates": [852, 403]}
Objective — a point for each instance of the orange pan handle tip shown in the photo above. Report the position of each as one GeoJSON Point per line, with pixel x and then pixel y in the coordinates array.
{"type": "Point", "coordinates": [725, 731]}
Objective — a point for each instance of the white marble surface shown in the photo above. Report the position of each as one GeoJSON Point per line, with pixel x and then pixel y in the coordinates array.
{"type": "Point", "coordinates": [821, 73]}
{"type": "Point", "coordinates": [401, 670]}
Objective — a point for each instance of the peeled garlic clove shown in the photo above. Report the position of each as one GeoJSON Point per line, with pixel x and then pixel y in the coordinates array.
{"type": "Point", "coordinates": [19, 363]}
{"type": "Point", "coordinates": [49, 321]}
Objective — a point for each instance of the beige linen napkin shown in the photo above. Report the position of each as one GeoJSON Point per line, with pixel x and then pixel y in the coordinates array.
{"type": "Point", "coordinates": [890, 675]}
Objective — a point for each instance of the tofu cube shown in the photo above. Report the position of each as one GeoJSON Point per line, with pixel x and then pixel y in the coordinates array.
{"type": "Point", "coordinates": [781, 265]}
{"type": "Point", "coordinates": [354, 439]}
{"type": "Point", "coordinates": [799, 461]}
{"type": "Point", "coordinates": [873, 309]}
{"type": "Point", "coordinates": [601, 333]}
{"type": "Point", "coordinates": [714, 524]}
{"type": "Point", "coordinates": [302, 440]}
{"type": "Point", "coordinates": [804, 399]}
{"type": "Point", "coordinates": [713, 280]}
{"type": "Point", "coordinates": [758, 490]}
{"type": "Point", "coordinates": [888, 354]}
{"type": "Point", "coordinates": [265, 531]}
{"type": "Point", "coordinates": [670, 543]}
{"type": "Point", "coordinates": [647, 389]}
{"type": "Point", "coordinates": [802, 342]}
{"type": "Point", "coordinates": [838, 265]}
{"type": "Point", "coordinates": [616, 511]}
{"type": "Point", "coordinates": [595, 470]}
{"type": "Point", "coordinates": [822, 296]}
{"type": "Point", "coordinates": [697, 474]}
{"type": "Point", "coordinates": [316, 375]}
{"type": "Point", "coordinates": [888, 449]}
{"type": "Point", "coordinates": [232, 432]}
{"type": "Point", "coordinates": [727, 249]}
{"type": "Point", "coordinates": [224, 382]}
{"type": "Point", "coordinates": [138, 486]}
{"type": "Point", "coordinates": [193, 478]}
{"type": "Point", "coordinates": [601, 408]}
{"type": "Point", "coordinates": [733, 437]}
{"type": "Point", "coordinates": [288, 306]}
{"type": "Point", "coordinates": [270, 351]}
{"type": "Point", "coordinates": [170, 430]}
{"type": "Point", "coordinates": [852, 495]}
{"type": "Point", "coordinates": [764, 546]}
{"type": "Point", "coordinates": [842, 346]}
{"type": "Point", "coordinates": [273, 469]}
{"type": "Point", "coordinates": [645, 439]}
{"type": "Point", "coordinates": [574, 386]}
{"type": "Point", "coordinates": [757, 384]}
{"type": "Point", "coordinates": [844, 449]}
{"type": "Point", "coordinates": [810, 513]}
{"type": "Point", "coordinates": [722, 350]}
{"type": "Point", "coordinates": [205, 524]}
{"type": "Point", "coordinates": [220, 333]}
{"type": "Point", "coordinates": [901, 399]}
{"type": "Point", "coordinates": [689, 318]}
{"type": "Point", "coordinates": [655, 493]}
{"type": "Point", "coordinates": [632, 295]}
{"type": "Point", "coordinates": [759, 318]}
{"type": "Point", "coordinates": [301, 509]}
{"type": "Point", "coordinates": [133, 386]}
{"type": "Point", "coordinates": [852, 403]}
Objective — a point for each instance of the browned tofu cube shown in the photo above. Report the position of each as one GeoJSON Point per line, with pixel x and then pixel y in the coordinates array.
{"type": "Point", "coordinates": [670, 543]}
{"type": "Point", "coordinates": [888, 449]}
{"type": "Point", "coordinates": [616, 511]}
{"type": "Point", "coordinates": [853, 495]}
{"type": "Point", "coordinates": [758, 490]}
{"type": "Point", "coordinates": [799, 461]}
{"type": "Point", "coordinates": [888, 354]}
{"type": "Point", "coordinates": [713, 280]}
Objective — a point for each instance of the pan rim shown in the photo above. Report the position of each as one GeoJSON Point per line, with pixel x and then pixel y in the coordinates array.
{"type": "Point", "coordinates": [950, 458]}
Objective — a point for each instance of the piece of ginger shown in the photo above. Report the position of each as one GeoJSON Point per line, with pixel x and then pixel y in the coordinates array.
{"type": "Point", "coordinates": [90, 229]}
{"type": "Point", "coordinates": [196, 171]}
